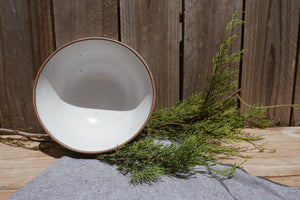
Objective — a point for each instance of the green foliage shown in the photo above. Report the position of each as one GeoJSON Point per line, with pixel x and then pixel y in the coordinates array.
{"type": "Point", "coordinates": [194, 132]}
{"type": "Point", "coordinates": [197, 130]}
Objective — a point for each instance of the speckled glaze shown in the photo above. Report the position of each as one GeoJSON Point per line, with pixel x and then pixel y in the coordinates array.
{"type": "Point", "coordinates": [93, 95]}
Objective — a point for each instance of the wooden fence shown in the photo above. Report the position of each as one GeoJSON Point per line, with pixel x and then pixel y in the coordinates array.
{"type": "Point", "coordinates": [176, 38]}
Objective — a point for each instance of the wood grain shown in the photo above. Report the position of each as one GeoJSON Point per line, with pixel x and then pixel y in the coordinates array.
{"type": "Point", "coordinates": [269, 61]}
{"type": "Point", "coordinates": [76, 19]}
{"type": "Point", "coordinates": [26, 39]}
{"type": "Point", "coordinates": [296, 113]}
{"type": "Point", "coordinates": [3, 105]}
{"type": "Point", "coordinates": [204, 31]}
{"type": "Point", "coordinates": [18, 166]}
{"type": "Point", "coordinates": [283, 166]}
{"type": "Point", "coordinates": [42, 30]}
{"type": "Point", "coordinates": [152, 28]}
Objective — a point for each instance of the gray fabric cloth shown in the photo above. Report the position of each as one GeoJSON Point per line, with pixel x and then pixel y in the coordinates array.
{"type": "Point", "coordinates": [72, 178]}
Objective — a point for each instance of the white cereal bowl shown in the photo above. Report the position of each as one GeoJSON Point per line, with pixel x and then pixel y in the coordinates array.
{"type": "Point", "coordinates": [93, 95]}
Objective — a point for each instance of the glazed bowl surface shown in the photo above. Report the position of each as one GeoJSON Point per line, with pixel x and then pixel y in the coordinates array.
{"type": "Point", "coordinates": [93, 95]}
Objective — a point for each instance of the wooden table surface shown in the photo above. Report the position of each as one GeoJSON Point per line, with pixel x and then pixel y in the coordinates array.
{"type": "Point", "coordinates": [18, 166]}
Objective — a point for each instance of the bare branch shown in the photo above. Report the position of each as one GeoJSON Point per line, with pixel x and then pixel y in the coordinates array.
{"type": "Point", "coordinates": [231, 96]}
{"type": "Point", "coordinates": [5, 131]}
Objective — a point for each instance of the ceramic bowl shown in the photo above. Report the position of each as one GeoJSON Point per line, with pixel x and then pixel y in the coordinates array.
{"type": "Point", "coordinates": [93, 95]}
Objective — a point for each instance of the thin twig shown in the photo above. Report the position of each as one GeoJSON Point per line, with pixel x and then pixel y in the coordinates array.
{"type": "Point", "coordinates": [177, 122]}
{"type": "Point", "coordinates": [5, 131]}
{"type": "Point", "coordinates": [294, 106]}
{"type": "Point", "coordinates": [231, 96]}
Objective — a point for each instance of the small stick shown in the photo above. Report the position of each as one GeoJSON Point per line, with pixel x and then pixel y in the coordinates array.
{"type": "Point", "coordinates": [231, 96]}
{"type": "Point", "coordinates": [5, 131]}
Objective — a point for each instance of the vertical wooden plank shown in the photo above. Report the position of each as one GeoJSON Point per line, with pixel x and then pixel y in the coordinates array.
{"type": "Point", "coordinates": [19, 38]}
{"type": "Point", "coordinates": [204, 31]}
{"type": "Point", "coordinates": [296, 113]}
{"type": "Point", "coordinates": [152, 28]}
{"type": "Point", "coordinates": [269, 60]}
{"type": "Point", "coordinates": [42, 30]}
{"type": "Point", "coordinates": [3, 104]}
{"type": "Point", "coordinates": [76, 19]}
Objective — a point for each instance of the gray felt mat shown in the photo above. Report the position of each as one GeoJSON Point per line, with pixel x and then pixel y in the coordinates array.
{"type": "Point", "coordinates": [71, 178]}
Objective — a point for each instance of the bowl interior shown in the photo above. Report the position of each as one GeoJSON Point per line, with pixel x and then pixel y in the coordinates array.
{"type": "Point", "coordinates": [94, 95]}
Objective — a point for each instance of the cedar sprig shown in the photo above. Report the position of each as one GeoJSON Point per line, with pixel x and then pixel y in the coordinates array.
{"type": "Point", "coordinates": [194, 131]}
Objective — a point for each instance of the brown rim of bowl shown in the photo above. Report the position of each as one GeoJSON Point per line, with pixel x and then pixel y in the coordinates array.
{"type": "Point", "coordinates": [83, 39]}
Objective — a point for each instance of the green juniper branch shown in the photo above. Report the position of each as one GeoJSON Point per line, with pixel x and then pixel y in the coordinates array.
{"type": "Point", "coordinates": [196, 129]}
{"type": "Point", "coordinates": [194, 132]}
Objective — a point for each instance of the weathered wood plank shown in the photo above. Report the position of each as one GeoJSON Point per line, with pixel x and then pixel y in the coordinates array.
{"type": "Point", "coordinates": [152, 28]}
{"type": "Point", "coordinates": [18, 166]}
{"type": "Point", "coordinates": [3, 105]}
{"type": "Point", "coordinates": [204, 31]}
{"type": "Point", "coordinates": [22, 36]}
{"type": "Point", "coordinates": [42, 27]}
{"type": "Point", "coordinates": [76, 19]}
{"type": "Point", "coordinates": [282, 166]}
{"type": "Point", "coordinates": [269, 61]}
{"type": "Point", "coordinates": [5, 193]}
{"type": "Point", "coordinates": [296, 113]}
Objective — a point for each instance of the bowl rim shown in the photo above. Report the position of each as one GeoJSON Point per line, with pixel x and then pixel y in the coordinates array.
{"type": "Point", "coordinates": [85, 39]}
